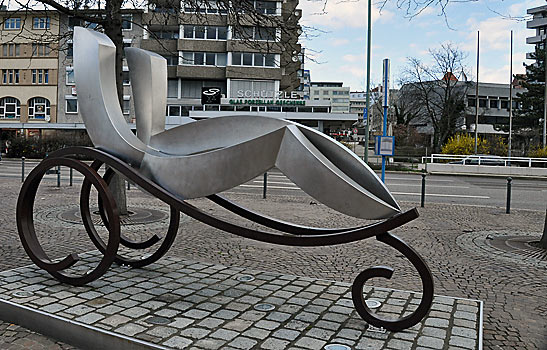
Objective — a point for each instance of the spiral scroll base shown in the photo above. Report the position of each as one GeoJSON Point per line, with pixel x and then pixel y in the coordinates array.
{"type": "Point", "coordinates": [386, 272]}
{"type": "Point", "coordinates": [291, 234]}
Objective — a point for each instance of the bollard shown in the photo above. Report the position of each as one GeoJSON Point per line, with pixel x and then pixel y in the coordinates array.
{"type": "Point", "coordinates": [423, 190]}
{"type": "Point", "coordinates": [265, 184]}
{"type": "Point", "coordinates": [508, 206]}
{"type": "Point", "coordinates": [70, 178]}
{"type": "Point", "coordinates": [22, 169]}
{"type": "Point", "coordinates": [58, 176]}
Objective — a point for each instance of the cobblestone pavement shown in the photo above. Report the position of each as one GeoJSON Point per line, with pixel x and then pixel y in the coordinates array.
{"type": "Point", "coordinates": [513, 291]}
{"type": "Point", "coordinates": [187, 304]}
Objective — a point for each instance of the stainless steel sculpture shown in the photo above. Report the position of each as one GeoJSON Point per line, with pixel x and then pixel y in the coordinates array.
{"type": "Point", "coordinates": [200, 159]}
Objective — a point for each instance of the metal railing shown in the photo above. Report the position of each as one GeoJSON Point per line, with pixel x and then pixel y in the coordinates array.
{"type": "Point", "coordinates": [485, 160]}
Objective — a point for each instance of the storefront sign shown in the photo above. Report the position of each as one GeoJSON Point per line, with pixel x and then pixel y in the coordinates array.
{"type": "Point", "coordinates": [293, 95]}
{"type": "Point", "coordinates": [267, 102]}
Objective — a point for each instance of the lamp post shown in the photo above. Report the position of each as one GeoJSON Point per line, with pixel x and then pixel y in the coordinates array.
{"type": "Point", "coordinates": [367, 103]}
{"type": "Point", "coordinates": [477, 99]}
{"type": "Point", "coordinates": [510, 99]}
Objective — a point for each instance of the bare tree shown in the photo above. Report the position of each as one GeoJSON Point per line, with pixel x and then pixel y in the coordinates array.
{"type": "Point", "coordinates": [436, 91]}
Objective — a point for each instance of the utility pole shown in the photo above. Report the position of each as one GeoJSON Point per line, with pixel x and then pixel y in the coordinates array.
{"type": "Point", "coordinates": [545, 97]}
{"type": "Point", "coordinates": [510, 99]}
{"type": "Point", "coordinates": [367, 106]}
{"type": "Point", "coordinates": [477, 99]}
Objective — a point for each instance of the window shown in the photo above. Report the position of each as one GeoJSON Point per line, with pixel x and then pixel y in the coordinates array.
{"type": "Point", "coordinates": [38, 108]}
{"type": "Point", "coordinates": [204, 58]}
{"type": "Point", "coordinates": [494, 103]}
{"type": "Point", "coordinates": [74, 22]}
{"type": "Point", "coordinates": [10, 108]}
{"type": "Point", "coordinates": [40, 49]}
{"type": "Point", "coordinates": [266, 7]}
{"type": "Point", "coordinates": [205, 32]}
{"type": "Point", "coordinates": [11, 50]}
{"type": "Point", "coordinates": [325, 92]}
{"type": "Point", "coordinates": [40, 76]}
{"type": "Point", "coordinates": [10, 76]}
{"type": "Point", "coordinates": [471, 102]}
{"type": "Point", "coordinates": [71, 104]}
{"type": "Point", "coordinates": [127, 22]}
{"type": "Point", "coordinates": [316, 92]}
{"type": "Point", "coordinates": [125, 77]}
{"type": "Point", "coordinates": [70, 76]}
{"type": "Point", "coordinates": [204, 7]}
{"type": "Point", "coordinates": [172, 60]}
{"type": "Point", "coordinates": [255, 33]}
{"type": "Point", "coordinates": [173, 88]}
{"type": "Point", "coordinates": [69, 50]}
{"type": "Point", "coordinates": [40, 23]}
{"type": "Point", "coordinates": [12, 23]}
{"type": "Point", "coordinates": [165, 34]}
{"type": "Point", "coordinates": [253, 59]}
{"type": "Point", "coordinates": [504, 104]}
{"type": "Point", "coordinates": [482, 102]}
{"type": "Point", "coordinates": [126, 104]}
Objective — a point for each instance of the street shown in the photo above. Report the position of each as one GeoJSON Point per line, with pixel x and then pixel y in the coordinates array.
{"type": "Point", "coordinates": [467, 190]}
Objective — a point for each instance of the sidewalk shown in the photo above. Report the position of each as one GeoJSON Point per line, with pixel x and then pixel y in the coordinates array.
{"type": "Point", "coordinates": [450, 238]}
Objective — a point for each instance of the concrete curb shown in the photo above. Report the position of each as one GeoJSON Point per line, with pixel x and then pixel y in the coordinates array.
{"type": "Point", "coordinates": [71, 332]}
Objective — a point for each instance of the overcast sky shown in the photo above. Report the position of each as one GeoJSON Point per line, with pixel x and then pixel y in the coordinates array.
{"type": "Point", "coordinates": [340, 44]}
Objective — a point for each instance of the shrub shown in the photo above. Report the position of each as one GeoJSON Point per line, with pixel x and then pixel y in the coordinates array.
{"type": "Point", "coordinates": [538, 152]}
{"type": "Point", "coordinates": [465, 144]}
{"type": "Point", "coordinates": [32, 147]}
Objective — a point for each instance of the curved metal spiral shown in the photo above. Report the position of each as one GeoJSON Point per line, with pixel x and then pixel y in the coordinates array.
{"type": "Point", "coordinates": [27, 233]}
{"type": "Point", "coordinates": [99, 243]}
{"type": "Point", "coordinates": [386, 272]}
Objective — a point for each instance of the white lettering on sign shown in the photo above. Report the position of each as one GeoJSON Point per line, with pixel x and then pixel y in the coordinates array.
{"type": "Point", "coordinates": [286, 95]}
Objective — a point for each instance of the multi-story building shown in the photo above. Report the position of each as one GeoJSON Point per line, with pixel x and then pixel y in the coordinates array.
{"type": "Point", "coordinates": [210, 47]}
{"type": "Point", "coordinates": [493, 107]}
{"type": "Point", "coordinates": [258, 69]}
{"type": "Point", "coordinates": [68, 117]}
{"type": "Point", "coordinates": [539, 24]}
{"type": "Point", "coordinates": [335, 92]}
{"type": "Point", "coordinates": [28, 85]}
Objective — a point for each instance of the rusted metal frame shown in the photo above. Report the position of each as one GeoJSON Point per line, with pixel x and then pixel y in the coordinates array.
{"type": "Point", "coordinates": [273, 223]}
{"type": "Point", "coordinates": [27, 234]}
{"type": "Point", "coordinates": [387, 272]}
{"type": "Point", "coordinates": [196, 213]}
{"type": "Point", "coordinates": [99, 243]}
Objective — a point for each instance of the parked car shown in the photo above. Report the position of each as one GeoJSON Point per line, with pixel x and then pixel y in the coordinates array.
{"type": "Point", "coordinates": [485, 159]}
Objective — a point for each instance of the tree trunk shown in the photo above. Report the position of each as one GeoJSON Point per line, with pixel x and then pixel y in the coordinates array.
{"type": "Point", "coordinates": [543, 240]}
{"type": "Point", "coordinates": [113, 29]}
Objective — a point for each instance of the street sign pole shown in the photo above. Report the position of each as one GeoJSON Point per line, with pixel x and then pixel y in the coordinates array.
{"type": "Point", "coordinates": [385, 82]}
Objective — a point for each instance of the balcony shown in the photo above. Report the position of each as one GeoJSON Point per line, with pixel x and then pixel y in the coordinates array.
{"type": "Point", "coordinates": [536, 23]}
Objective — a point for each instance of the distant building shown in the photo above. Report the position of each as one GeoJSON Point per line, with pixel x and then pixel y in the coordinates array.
{"type": "Point", "coordinates": [539, 24]}
{"type": "Point", "coordinates": [335, 92]}
{"type": "Point", "coordinates": [30, 65]}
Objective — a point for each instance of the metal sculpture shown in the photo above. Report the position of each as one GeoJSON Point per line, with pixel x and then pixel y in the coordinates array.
{"type": "Point", "coordinates": [200, 159]}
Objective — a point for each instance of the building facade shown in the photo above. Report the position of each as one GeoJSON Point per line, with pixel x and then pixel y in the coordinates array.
{"type": "Point", "coordinates": [258, 69]}
{"type": "Point", "coordinates": [335, 92]}
{"type": "Point", "coordinates": [30, 65]}
{"type": "Point", "coordinates": [539, 24]}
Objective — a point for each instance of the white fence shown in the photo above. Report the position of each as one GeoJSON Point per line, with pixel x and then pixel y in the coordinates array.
{"type": "Point", "coordinates": [485, 160]}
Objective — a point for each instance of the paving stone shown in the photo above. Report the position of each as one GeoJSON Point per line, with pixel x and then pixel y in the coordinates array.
{"type": "Point", "coordinates": [287, 334]}
{"type": "Point", "coordinates": [224, 334]}
{"type": "Point", "coordinates": [274, 344]}
{"type": "Point", "coordinates": [162, 331]}
{"type": "Point", "coordinates": [466, 343]}
{"type": "Point", "coordinates": [430, 342]}
{"type": "Point", "coordinates": [179, 343]}
{"type": "Point", "coordinates": [243, 343]}
{"type": "Point", "coordinates": [194, 332]}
